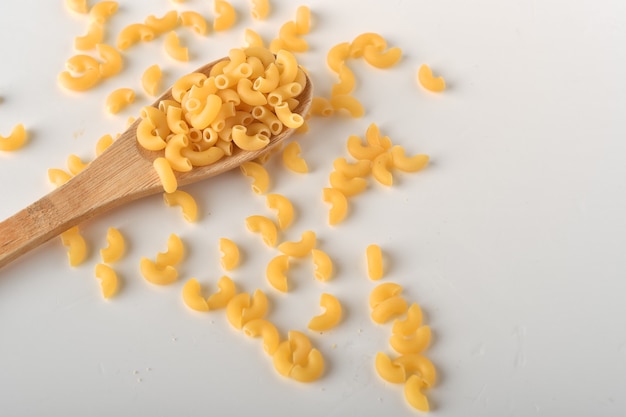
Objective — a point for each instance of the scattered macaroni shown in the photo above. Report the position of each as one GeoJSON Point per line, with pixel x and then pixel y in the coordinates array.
{"type": "Point", "coordinates": [174, 49]}
{"type": "Point", "coordinates": [265, 227]}
{"type": "Point", "coordinates": [428, 81]}
{"type": "Point", "coordinates": [407, 164]}
{"type": "Point", "coordinates": [151, 80]}
{"type": "Point", "coordinates": [134, 33]}
{"type": "Point", "coordinates": [15, 140]}
{"type": "Point", "coordinates": [115, 246]}
{"type": "Point", "coordinates": [414, 395]}
{"type": "Point", "coordinates": [338, 205]}
{"type": "Point", "coordinates": [265, 329]}
{"type": "Point", "coordinates": [303, 20]}
{"type": "Point", "coordinates": [410, 324]}
{"type": "Point", "coordinates": [382, 292]}
{"type": "Point", "coordinates": [419, 365]}
{"type": "Point", "coordinates": [174, 254]}
{"type": "Point", "coordinates": [230, 254]}
{"type": "Point", "coordinates": [242, 308]}
{"type": "Point", "coordinates": [364, 40]}
{"type": "Point", "coordinates": [415, 343]}
{"type": "Point", "coordinates": [321, 107]}
{"type": "Point", "coordinates": [118, 99]}
{"type": "Point", "coordinates": [323, 265]}
{"type": "Point", "coordinates": [76, 244]}
{"type": "Point", "coordinates": [389, 371]}
{"type": "Point", "coordinates": [185, 201]}
{"type": "Point", "coordinates": [349, 103]}
{"type": "Point", "coordinates": [361, 151]}
{"type": "Point", "coordinates": [290, 38]}
{"type": "Point", "coordinates": [75, 165]}
{"type": "Point", "coordinates": [159, 275]}
{"type": "Point", "coordinates": [301, 248]}
{"type": "Point", "coordinates": [275, 272]}
{"type": "Point", "coordinates": [347, 186]}
{"type": "Point", "coordinates": [337, 55]}
{"type": "Point", "coordinates": [109, 282]}
{"type": "Point", "coordinates": [194, 20]}
{"type": "Point", "coordinates": [166, 174]}
{"type": "Point", "coordinates": [346, 82]}
{"type": "Point", "coordinates": [78, 6]}
{"type": "Point", "coordinates": [260, 176]}
{"type": "Point", "coordinates": [101, 11]}
{"type": "Point", "coordinates": [162, 24]}
{"type": "Point", "coordinates": [253, 39]}
{"type": "Point", "coordinates": [380, 169]}
{"type": "Point", "coordinates": [386, 310]}
{"type": "Point", "coordinates": [192, 296]}
{"type": "Point", "coordinates": [227, 291]}
{"type": "Point", "coordinates": [285, 212]}
{"type": "Point", "coordinates": [89, 78]}
{"type": "Point", "coordinates": [113, 62]}
{"type": "Point", "coordinates": [58, 177]}
{"type": "Point", "coordinates": [94, 36]}
{"type": "Point", "coordinates": [225, 15]}
{"type": "Point", "coordinates": [293, 160]}
{"type": "Point", "coordinates": [379, 59]}
{"type": "Point", "coordinates": [331, 316]}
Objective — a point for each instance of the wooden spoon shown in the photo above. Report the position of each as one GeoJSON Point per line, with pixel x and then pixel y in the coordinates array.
{"type": "Point", "coordinates": [122, 173]}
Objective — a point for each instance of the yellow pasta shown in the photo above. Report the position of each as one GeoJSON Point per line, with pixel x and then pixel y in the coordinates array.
{"type": "Point", "coordinates": [389, 308]}
{"type": "Point", "coordinates": [104, 142]}
{"type": "Point", "coordinates": [410, 324]}
{"type": "Point", "coordinates": [360, 168]}
{"type": "Point", "coordinates": [420, 366]}
{"type": "Point", "coordinates": [101, 11]}
{"type": "Point", "coordinates": [289, 119]}
{"type": "Point", "coordinates": [311, 370]}
{"type": "Point", "coordinates": [275, 272]}
{"type": "Point", "coordinates": [407, 163]}
{"type": "Point", "coordinates": [265, 227]}
{"type": "Point", "coordinates": [242, 308]}
{"type": "Point", "coordinates": [116, 246]}
{"type": "Point", "coordinates": [269, 81]}
{"type": "Point", "coordinates": [119, 99]}
{"type": "Point", "coordinates": [285, 212]}
{"type": "Point", "coordinates": [389, 371]}
{"type": "Point", "coordinates": [81, 62]}
{"type": "Point", "coordinates": [364, 40]}
{"type": "Point", "coordinates": [321, 107]}
{"type": "Point", "coordinates": [293, 160]}
{"type": "Point", "coordinates": [75, 165]}
{"type": "Point", "coordinates": [174, 254]}
{"type": "Point", "coordinates": [265, 115]}
{"type": "Point", "coordinates": [349, 103]}
{"type": "Point", "coordinates": [330, 317]}
{"type": "Point", "coordinates": [194, 20]}
{"type": "Point", "coordinates": [301, 248]}
{"type": "Point", "coordinates": [94, 36]}
{"type": "Point", "coordinates": [414, 343]}
{"type": "Point", "coordinates": [303, 20]}
{"type": "Point", "coordinates": [259, 175]}
{"type": "Point", "coordinates": [205, 157]}
{"type": "Point", "coordinates": [361, 151]}
{"type": "Point", "coordinates": [227, 291]}
{"type": "Point", "coordinates": [159, 275]}
{"type": "Point", "coordinates": [15, 140]}
{"type": "Point", "coordinates": [173, 154]}
{"type": "Point", "coordinates": [76, 244]}
{"type": "Point", "coordinates": [374, 138]}
{"type": "Point", "coordinates": [113, 62]}
{"type": "Point", "coordinates": [58, 177]}
{"type": "Point", "coordinates": [260, 9]}
{"type": "Point", "coordinates": [89, 78]}
{"type": "Point", "coordinates": [379, 59]}
{"type": "Point", "coordinates": [290, 39]}
{"type": "Point", "coordinates": [147, 136]}
{"type": "Point", "coordinates": [323, 265]}
{"type": "Point", "coordinates": [162, 24]}
{"type": "Point", "coordinates": [337, 55]}
{"type": "Point", "coordinates": [192, 296]}
{"type": "Point", "coordinates": [109, 281]}
{"type": "Point", "coordinates": [225, 15]}
{"type": "Point", "coordinates": [346, 82]}
{"type": "Point", "coordinates": [348, 186]}
{"type": "Point", "coordinates": [428, 81]}
{"type": "Point", "coordinates": [382, 292]}
{"type": "Point", "coordinates": [230, 254]}
{"type": "Point", "coordinates": [78, 6]}
{"type": "Point", "coordinates": [151, 80]}
{"type": "Point", "coordinates": [185, 201]}
{"type": "Point", "coordinates": [287, 65]}
{"type": "Point", "coordinates": [134, 33]}
{"type": "Point", "coordinates": [267, 331]}
{"type": "Point", "coordinates": [296, 358]}
{"type": "Point", "coordinates": [248, 95]}
{"type": "Point", "coordinates": [338, 205]}
{"type": "Point", "coordinates": [174, 49]}
{"type": "Point", "coordinates": [414, 395]}
{"type": "Point", "coordinates": [380, 169]}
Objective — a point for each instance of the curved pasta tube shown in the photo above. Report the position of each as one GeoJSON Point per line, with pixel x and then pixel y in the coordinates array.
{"type": "Point", "coordinates": [185, 83]}
{"type": "Point", "coordinates": [248, 95]}
{"type": "Point", "coordinates": [389, 371]}
{"type": "Point", "coordinates": [173, 154]}
{"type": "Point", "coordinates": [290, 39]}
{"type": "Point", "coordinates": [312, 370]}
{"type": "Point", "coordinates": [378, 59]}
{"type": "Point", "coordinates": [174, 254]}
{"type": "Point", "coordinates": [346, 82]}
{"type": "Point", "coordinates": [407, 163]}
{"type": "Point", "coordinates": [194, 20]}
{"type": "Point", "coordinates": [266, 56]}
{"type": "Point", "coordinates": [116, 246]}
{"type": "Point", "coordinates": [295, 358]}
{"type": "Point", "coordinates": [260, 9]}
{"type": "Point", "coordinates": [104, 142]}
{"type": "Point", "coordinates": [387, 309]}
{"type": "Point", "coordinates": [242, 308]}
{"type": "Point", "coordinates": [285, 212]}
{"type": "Point", "coordinates": [301, 248]}
{"type": "Point", "coordinates": [192, 296]}
{"type": "Point", "coordinates": [415, 343]}
{"type": "Point", "coordinates": [119, 99]}
{"type": "Point", "coordinates": [420, 365]}
{"type": "Point", "coordinates": [174, 49]}
{"type": "Point", "coordinates": [173, 116]}
{"type": "Point", "coordinates": [321, 107]}
{"type": "Point", "coordinates": [348, 186]}
{"type": "Point", "coordinates": [287, 66]}
{"type": "Point", "coordinates": [264, 226]}
{"type": "Point", "coordinates": [81, 63]}
{"type": "Point", "coordinates": [255, 63]}
{"type": "Point", "coordinates": [205, 157]}
{"type": "Point", "coordinates": [323, 265]}
{"type": "Point", "coordinates": [292, 159]}
{"type": "Point", "coordinates": [283, 93]}
{"type": "Point", "coordinates": [75, 165]}
{"type": "Point", "coordinates": [360, 168]}
{"type": "Point", "coordinates": [362, 41]}
{"type": "Point", "coordinates": [264, 115]}
{"type": "Point", "coordinates": [101, 11]}
{"type": "Point", "coordinates": [148, 137]}
{"type": "Point", "coordinates": [359, 151]}
{"type": "Point", "coordinates": [94, 36]}
{"type": "Point", "coordinates": [373, 137]}
{"type": "Point", "coordinates": [82, 82]}
{"type": "Point", "coordinates": [253, 39]}
{"type": "Point", "coordinates": [337, 55]}
{"type": "Point", "coordinates": [275, 272]}
{"type": "Point", "coordinates": [109, 282]}
{"type": "Point", "coordinates": [331, 315]}
{"type": "Point", "coordinates": [380, 169]}
{"type": "Point", "coordinates": [162, 24]}
{"type": "Point", "coordinates": [410, 324]}
{"type": "Point", "coordinates": [113, 62]}
{"type": "Point", "coordinates": [230, 254]}
{"type": "Point", "coordinates": [166, 174]}
{"type": "Point", "coordinates": [267, 331]}
{"type": "Point", "coordinates": [58, 177]}
{"type": "Point", "coordinates": [289, 119]}
{"type": "Point", "coordinates": [227, 291]}
{"type": "Point", "coordinates": [154, 274]}
{"type": "Point", "coordinates": [338, 205]}
{"type": "Point", "coordinates": [349, 103]}
{"type": "Point", "coordinates": [303, 20]}
{"type": "Point", "coordinates": [414, 395]}
{"type": "Point", "coordinates": [209, 112]}
{"type": "Point", "coordinates": [225, 15]}
{"type": "Point", "coordinates": [15, 140]}
{"type": "Point", "coordinates": [76, 244]}
{"type": "Point", "coordinates": [428, 81]}
{"type": "Point", "coordinates": [134, 33]}
{"type": "Point", "coordinates": [382, 292]}
{"type": "Point", "coordinates": [259, 175]}
{"type": "Point", "coordinates": [77, 6]}
{"type": "Point", "coordinates": [282, 359]}
{"type": "Point", "coordinates": [269, 81]}
{"type": "Point", "coordinates": [151, 79]}
{"type": "Point", "coordinates": [186, 202]}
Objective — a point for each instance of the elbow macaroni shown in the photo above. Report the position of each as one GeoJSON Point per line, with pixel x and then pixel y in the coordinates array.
{"type": "Point", "coordinates": [242, 308]}
{"type": "Point", "coordinates": [192, 296]}
{"type": "Point", "coordinates": [275, 272]}
{"type": "Point", "coordinates": [194, 20]}
{"type": "Point", "coordinates": [185, 201]}
{"type": "Point", "coordinates": [338, 205]}
{"type": "Point", "coordinates": [259, 175]}
{"type": "Point", "coordinates": [260, 9]}
{"type": "Point", "coordinates": [267, 331]}
{"type": "Point", "coordinates": [109, 282]}
{"type": "Point", "coordinates": [174, 49]}
{"type": "Point", "coordinates": [301, 248]}
{"type": "Point", "coordinates": [292, 159]}
{"type": "Point", "coordinates": [230, 254]}
{"type": "Point", "coordinates": [151, 80]}
{"type": "Point", "coordinates": [285, 212]}
{"type": "Point", "coordinates": [227, 291]}
{"type": "Point", "coordinates": [323, 265]}
{"type": "Point", "coordinates": [225, 15]}
{"type": "Point", "coordinates": [115, 246]}
{"type": "Point", "coordinates": [119, 99]}
{"type": "Point", "coordinates": [265, 227]}
{"type": "Point", "coordinates": [15, 140]}
{"type": "Point", "coordinates": [331, 316]}
{"type": "Point", "coordinates": [174, 254]}
{"type": "Point", "coordinates": [428, 81]}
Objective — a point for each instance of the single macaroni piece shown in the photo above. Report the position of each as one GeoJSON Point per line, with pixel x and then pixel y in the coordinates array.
{"type": "Point", "coordinates": [290, 39]}
{"type": "Point", "coordinates": [419, 365]}
{"type": "Point", "coordinates": [338, 205]}
{"type": "Point", "coordinates": [349, 103]}
{"type": "Point", "coordinates": [225, 15]}
{"type": "Point", "coordinates": [321, 107]}
{"type": "Point", "coordinates": [293, 160]}
{"type": "Point", "coordinates": [109, 282]}
{"type": "Point", "coordinates": [227, 291]}
{"type": "Point", "coordinates": [428, 81]}
{"type": "Point", "coordinates": [58, 177]}
{"type": "Point", "coordinates": [275, 272]}
{"type": "Point", "coordinates": [287, 66]}
{"type": "Point", "coordinates": [134, 33]}
{"type": "Point", "coordinates": [15, 140]}
{"type": "Point", "coordinates": [260, 9]}
{"type": "Point", "coordinates": [337, 55]}
{"type": "Point", "coordinates": [195, 21]}
{"type": "Point", "coordinates": [162, 24]}
{"type": "Point", "coordinates": [410, 324]}
{"type": "Point", "coordinates": [387, 309]}
{"type": "Point", "coordinates": [374, 138]}
{"type": "Point", "coordinates": [347, 186]}
{"type": "Point", "coordinates": [81, 62]}
{"type": "Point", "coordinates": [269, 81]}
{"type": "Point", "coordinates": [174, 49]}
{"type": "Point", "coordinates": [303, 20]}
{"type": "Point", "coordinates": [389, 371]}
{"type": "Point", "coordinates": [301, 248]}
{"type": "Point", "coordinates": [382, 292]}
{"type": "Point", "coordinates": [159, 275]}
{"type": "Point", "coordinates": [360, 168]}
{"type": "Point", "coordinates": [78, 6]}
{"type": "Point", "coordinates": [76, 244]}
{"type": "Point", "coordinates": [414, 395]}
{"type": "Point", "coordinates": [185, 83]}
{"type": "Point", "coordinates": [174, 254]}
{"type": "Point", "coordinates": [312, 370]}
{"type": "Point", "coordinates": [331, 316]}
{"type": "Point", "coordinates": [289, 119]}
{"type": "Point", "coordinates": [380, 169]}
{"type": "Point", "coordinates": [242, 309]}
{"type": "Point", "coordinates": [323, 265]}
{"type": "Point", "coordinates": [346, 82]}
{"type": "Point", "coordinates": [75, 165]}
{"type": "Point", "coordinates": [249, 142]}
{"type": "Point", "coordinates": [407, 163]}
{"type": "Point", "coordinates": [151, 80]}
{"type": "Point", "coordinates": [296, 358]}
{"type": "Point", "coordinates": [260, 176]}
{"type": "Point", "coordinates": [166, 174]}
{"type": "Point", "coordinates": [192, 296]}
{"type": "Point", "coordinates": [285, 212]}
{"type": "Point", "coordinates": [265, 227]}
{"type": "Point", "coordinates": [378, 59]}
{"type": "Point", "coordinates": [102, 11]}
{"type": "Point", "coordinates": [185, 201]}
{"type": "Point", "coordinates": [364, 40]}
{"type": "Point", "coordinates": [94, 36]}
{"type": "Point", "coordinates": [89, 78]}
{"type": "Point", "coordinates": [104, 142]}
{"type": "Point", "coordinates": [113, 62]}
{"type": "Point", "coordinates": [230, 254]}
{"type": "Point", "coordinates": [361, 151]}
{"type": "Point", "coordinates": [415, 343]}
{"type": "Point", "coordinates": [115, 246]}
{"type": "Point", "coordinates": [118, 99]}
{"type": "Point", "coordinates": [267, 331]}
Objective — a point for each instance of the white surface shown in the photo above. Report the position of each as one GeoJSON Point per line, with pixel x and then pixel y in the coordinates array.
{"type": "Point", "coordinates": [512, 240]}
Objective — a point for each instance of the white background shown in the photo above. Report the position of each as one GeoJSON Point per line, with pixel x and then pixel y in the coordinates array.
{"type": "Point", "coordinates": [512, 240]}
